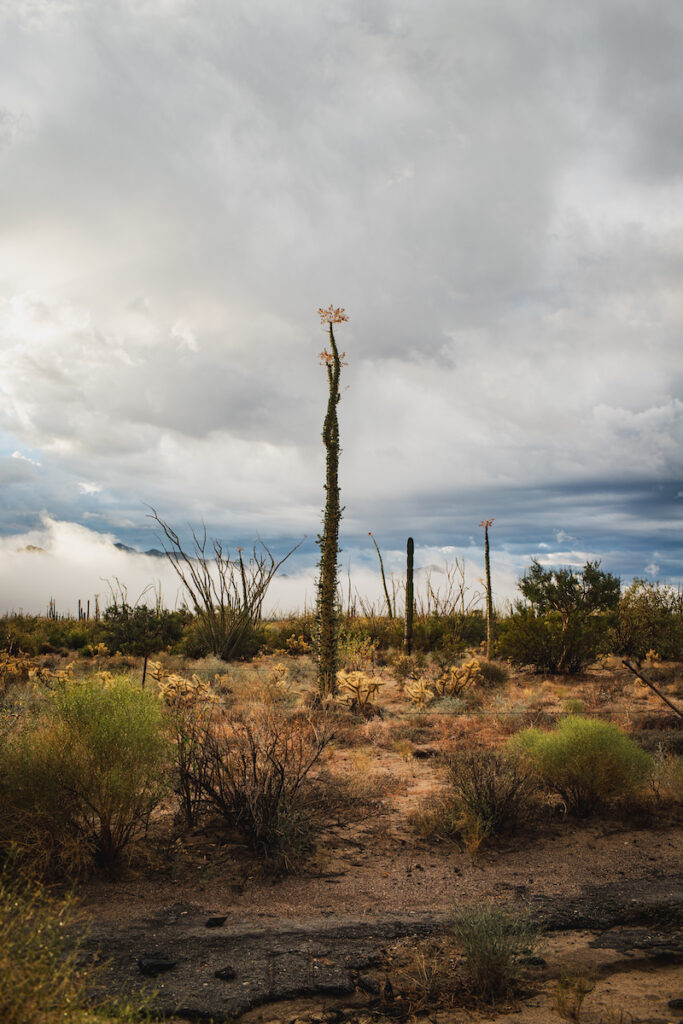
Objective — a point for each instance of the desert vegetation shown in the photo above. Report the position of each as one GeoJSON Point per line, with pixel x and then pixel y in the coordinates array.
{"type": "Point", "coordinates": [242, 759]}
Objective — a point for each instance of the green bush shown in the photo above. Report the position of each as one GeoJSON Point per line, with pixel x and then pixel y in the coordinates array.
{"type": "Point", "coordinates": [80, 777]}
{"type": "Point", "coordinates": [44, 978]}
{"type": "Point", "coordinates": [587, 762]}
{"type": "Point", "coordinates": [140, 630]}
{"type": "Point", "coordinates": [564, 622]}
{"type": "Point", "coordinates": [242, 639]}
{"type": "Point", "coordinates": [552, 645]}
{"type": "Point", "coordinates": [650, 618]}
{"type": "Point", "coordinates": [493, 941]}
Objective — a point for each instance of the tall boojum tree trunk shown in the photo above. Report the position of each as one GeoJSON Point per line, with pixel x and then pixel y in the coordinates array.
{"type": "Point", "coordinates": [489, 597]}
{"type": "Point", "coordinates": [327, 619]}
{"type": "Point", "coordinates": [410, 601]}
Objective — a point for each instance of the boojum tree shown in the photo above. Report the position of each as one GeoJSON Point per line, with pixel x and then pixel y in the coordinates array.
{"type": "Point", "coordinates": [486, 523]}
{"type": "Point", "coordinates": [327, 619]}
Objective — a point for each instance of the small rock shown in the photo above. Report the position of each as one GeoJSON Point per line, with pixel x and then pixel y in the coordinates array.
{"type": "Point", "coordinates": [216, 922]}
{"type": "Point", "coordinates": [333, 1015]}
{"type": "Point", "coordinates": [153, 965]}
{"type": "Point", "coordinates": [368, 985]}
{"type": "Point", "coordinates": [534, 961]}
{"type": "Point", "coordinates": [675, 1004]}
{"type": "Point", "coordinates": [226, 973]}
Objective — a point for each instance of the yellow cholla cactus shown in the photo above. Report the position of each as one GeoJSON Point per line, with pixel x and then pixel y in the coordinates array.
{"type": "Point", "coordinates": [98, 650]}
{"type": "Point", "coordinates": [458, 678]}
{"type": "Point", "coordinates": [179, 692]}
{"type": "Point", "coordinates": [357, 689]}
{"type": "Point", "coordinates": [297, 644]}
{"type": "Point", "coordinates": [420, 693]}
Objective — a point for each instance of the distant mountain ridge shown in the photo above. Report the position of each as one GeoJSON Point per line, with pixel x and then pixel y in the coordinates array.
{"type": "Point", "coordinates": [152, 552]}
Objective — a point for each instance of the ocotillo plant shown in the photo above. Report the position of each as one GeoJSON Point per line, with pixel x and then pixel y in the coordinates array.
{"type": "Point", "coordinates": [390, 611]}
{"type": "Point", "coordinates": [489, 599]}
{"type": "Point", "coordinates": [410, 603]}
{"type": "Point", "coordinates": [326, 618]}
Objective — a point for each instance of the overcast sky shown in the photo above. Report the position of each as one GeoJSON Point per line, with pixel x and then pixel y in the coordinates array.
{"type": "Point", "coordinates": [493, 191]}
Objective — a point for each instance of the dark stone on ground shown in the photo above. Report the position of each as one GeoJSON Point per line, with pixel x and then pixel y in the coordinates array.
{"type": "Point", "coordinates": [153, 965]}
{"type": "Point", "coordinates": [225, 973]}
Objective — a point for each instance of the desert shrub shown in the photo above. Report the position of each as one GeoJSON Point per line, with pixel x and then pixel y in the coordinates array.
{"type": "Point", "coordinates": [550, 645]}
{"type": "Point", "coordinates": [293, 633]}
{"type": "Point", "coordinates": [81, 776]}
{"type": "Point", "coordinates": [357, 651]}
{"type": "Point", "coordinates": [423, 978]}
{"type": "Point", "coordinates": [437, 818]}
{"type": "Point", "coordinates": [141, 630]}
{"type": "Point", "coordinates": [571, 992]}
{"type": "Point", "coordinates": [451, 634]}
{"type": "Point", "coordinates": [244, 638]}
{"type": "Point", "coordinates": [37, 634]}
{"type": "Point", "coordinates": [44, 978]}
{"type": "Point", "coordinates": [493, 941]}
{"type": "Point", "coordinates": [586, 761]}
{"type": "Point", "coordinates": [493, 792]}
{"type": "Point", "coordinates": [259, 780]}
{"type": "Point", "coordinates": [493, 673]}
{"type": "Point", "coordinates": [404, 667]}
{"type": "Point", "coordinates": [565, 621]}
{"type": "Point", "coordinates": [650, 618]}
{"type": "Point", "coordinates": [191, 709]}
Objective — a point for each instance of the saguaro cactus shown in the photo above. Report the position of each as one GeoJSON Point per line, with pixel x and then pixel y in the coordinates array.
{"type": "Point", "coordinates": [489, 597]}
{"type": "Point", "coordinates": [327, 624]}
{"type": "Point", "coordinates": [410, 602]}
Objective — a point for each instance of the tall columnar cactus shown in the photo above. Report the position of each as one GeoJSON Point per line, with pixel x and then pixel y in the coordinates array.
{"type": "Point", "coordinates": [410, 602]}
{"type": "Point", "coordinates": [326, 618]}
{"type": "Point", "coordinates": [489, 597]}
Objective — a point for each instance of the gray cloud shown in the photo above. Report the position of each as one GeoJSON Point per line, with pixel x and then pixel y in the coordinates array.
{"type": "Point", "coordinates": [491, 190]}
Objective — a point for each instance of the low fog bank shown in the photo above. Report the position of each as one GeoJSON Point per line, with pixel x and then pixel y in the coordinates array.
{"type": "Point", "coordinates": [68, 562]}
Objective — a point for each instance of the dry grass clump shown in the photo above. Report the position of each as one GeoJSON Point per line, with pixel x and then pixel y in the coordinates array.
{"type": "Point", "coordinates": [493, 941]}
{"type": "Point", "coordinates": [487, 794]}
{"type": "Point", "coordinates": [258, 775]}
{"type": "Point", "coordinates": [480, 960]}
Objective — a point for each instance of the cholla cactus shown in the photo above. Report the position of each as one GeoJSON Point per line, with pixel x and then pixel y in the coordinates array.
{"type": "Point", "coordinates": [297, 644]}
{"type": "Point", "coordinates": [451, 683]}
{"type": "Point", "coordinates": [458, 678]}
{"type": "Point", "coordinates": [420, 693]}
{"type": "Point", "coordinates": [181, 693]}
{"type": "Point", "coordinates": [359, 690]}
